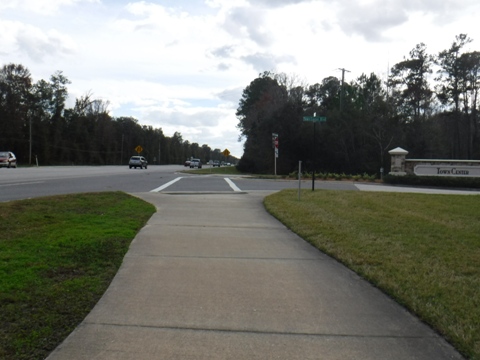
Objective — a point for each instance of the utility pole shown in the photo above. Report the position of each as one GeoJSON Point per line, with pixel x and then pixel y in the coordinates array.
{"type": "Point", "coordinates": [121, 152]}
{"type": "Point", "coordinates": [342, 94]}
{"type": "Point", "coordinates": [159, 152]}
{"type": "Point", "coordinates": [30, 140]}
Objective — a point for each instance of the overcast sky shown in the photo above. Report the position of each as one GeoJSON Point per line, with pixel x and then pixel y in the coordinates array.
{"type": "Point", "coordinates": [181, 65]}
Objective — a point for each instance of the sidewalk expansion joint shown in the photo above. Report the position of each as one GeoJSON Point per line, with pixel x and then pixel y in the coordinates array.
{"type": "Point", "coordinates": [224, 257]}
{"type": "Point", "coordinates": [280, 227]}
{"type": "Point", "coordinates": [259, 332]}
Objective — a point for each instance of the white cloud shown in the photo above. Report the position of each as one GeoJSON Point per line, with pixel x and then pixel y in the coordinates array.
{"type": "Point", "coordinates": [372, 19]}
{"type": "Point", "coordinates": [43, 7]}
{"type": "Point", "coordinates": [247, 22]}
{"type": "Point", "coordinates": [39, 45]}
{"type": "Point", "coordinates": [267, 62]}
{"type": "Point", "coordinates": [34, 42]}
{"type": "Point", "coordinates": [231, 96]}
{"type": "Point", "coordinates": [214, 127]}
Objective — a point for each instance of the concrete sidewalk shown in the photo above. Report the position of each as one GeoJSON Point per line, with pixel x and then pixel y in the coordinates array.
{"type": "Point", "coordinates": [216, 277]}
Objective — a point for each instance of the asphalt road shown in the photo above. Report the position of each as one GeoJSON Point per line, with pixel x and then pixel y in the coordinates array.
{"type": "Point", "coordinates": [22, 183]}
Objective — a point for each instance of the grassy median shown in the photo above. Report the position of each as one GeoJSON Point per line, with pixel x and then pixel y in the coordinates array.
{"type": "Point", "coordinates": [423, 250]}
{"type": "Point", "coordinates": [209, 169]}
{"type": "Point", "coordinates": [57, 257]}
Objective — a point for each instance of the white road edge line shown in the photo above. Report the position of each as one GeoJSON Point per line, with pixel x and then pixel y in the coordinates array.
{"type": "Point", "coordinates": [25, 183]}
{"type": "Point", "coordinates": [164, 186]}
{"type": "Point", "coordinates": [232, 185]}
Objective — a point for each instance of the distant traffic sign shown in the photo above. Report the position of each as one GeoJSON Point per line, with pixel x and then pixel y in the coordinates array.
{"type": "Point", "coordinates": [275, 140]}
{"type": "Point", "coordinates": [315, 118]}
{"type": "Point", "coordinates": [139, 149]}
{"type": "Point", "coordinates": [226, 152]}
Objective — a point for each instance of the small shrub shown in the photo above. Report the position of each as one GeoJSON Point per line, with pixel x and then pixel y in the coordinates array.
{"type": "Point", "coordinates": [366, 177]}
{"type": "Point", "coordinates": [439, 181]}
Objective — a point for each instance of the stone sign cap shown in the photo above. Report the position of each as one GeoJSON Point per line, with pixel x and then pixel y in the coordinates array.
{"type": "Point", "coordinates": [398, 151]}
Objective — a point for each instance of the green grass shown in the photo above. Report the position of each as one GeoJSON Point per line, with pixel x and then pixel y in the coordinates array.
{"type": "Point", "coordinates": [57, 257]}
{"type": "Point", "coordinates": [208, 169]}
{"type": "Point", "coordinates": [423, 250]}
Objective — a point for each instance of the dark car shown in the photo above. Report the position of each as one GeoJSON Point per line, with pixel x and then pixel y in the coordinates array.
{"type": "Point", "coordinates": [196, 163]}
{"type": "Point", "coordinates": [8, 159]}
{"type": "Point", "coordinates": [216, 163]}
{"type": "Point", "coordinates": [187, 163]}
{"type": "Point", "coordinates": [137, 161]}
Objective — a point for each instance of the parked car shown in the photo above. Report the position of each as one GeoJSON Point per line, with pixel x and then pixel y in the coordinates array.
{"type": "Point", "coordinates": [216, 163]}
{"type": "Point", "coordinates": [195, 163]}
{"type": "Point", "coordinates": [8, 159]}
{"type": "Point", "coordinates": [137, 161]}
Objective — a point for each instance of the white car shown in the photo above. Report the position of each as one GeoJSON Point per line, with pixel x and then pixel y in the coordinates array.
{"type": "Point", "coordinates": [8, 159]}
{"type": "Point", "coordinates": [195, 163]}
{"type": "Point", "coordinates": [137, 161]}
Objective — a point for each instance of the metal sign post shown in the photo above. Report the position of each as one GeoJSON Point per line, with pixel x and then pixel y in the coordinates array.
{"type": "Point", "coordinates": [314, 119]}
{"type": "Point", "coordinates": [299, 179]}
{"type": "Point", "coordinates": [275, 146]}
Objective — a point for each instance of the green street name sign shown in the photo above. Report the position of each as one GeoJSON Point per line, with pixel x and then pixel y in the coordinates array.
{"type": "Point", "coordinates": [315, 118]}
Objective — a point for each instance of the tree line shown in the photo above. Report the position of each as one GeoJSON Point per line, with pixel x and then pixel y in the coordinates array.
{"type": "Point", "coordinates": [37, 126]}
{"type": "Point", "coordinates": [428, 105]}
